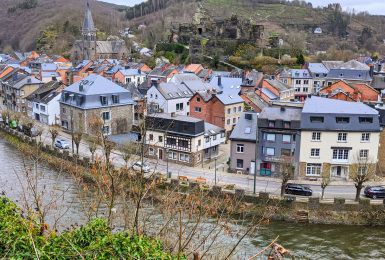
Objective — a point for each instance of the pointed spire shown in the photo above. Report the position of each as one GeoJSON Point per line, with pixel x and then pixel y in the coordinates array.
{"type": "Point", "coordinates": [88, 22]}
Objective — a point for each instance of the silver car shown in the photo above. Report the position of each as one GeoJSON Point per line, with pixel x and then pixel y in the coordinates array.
{"type": "Point", "coordinates": [62, 144]}
{"type": "Point", "coordinates": [138, 167]}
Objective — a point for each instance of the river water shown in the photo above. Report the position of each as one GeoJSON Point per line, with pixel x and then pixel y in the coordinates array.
{"type": "Point", "coordinates": [305, 241]}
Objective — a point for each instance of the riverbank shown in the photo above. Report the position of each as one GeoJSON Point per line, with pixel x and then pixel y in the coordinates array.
{"type": "Point", "coordinates": [289, 208]}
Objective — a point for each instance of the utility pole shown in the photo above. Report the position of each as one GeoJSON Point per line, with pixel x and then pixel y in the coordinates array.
{"type": "Point", "coordinates": [168, 173]}
{"type": "Point", "coordinates": [215, 172]}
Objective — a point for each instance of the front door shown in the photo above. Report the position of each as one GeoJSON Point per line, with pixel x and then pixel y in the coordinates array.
{"type": "Point", "coordinates": [160, 154]}
{"type": "Point", "coordinates": [265, 169]}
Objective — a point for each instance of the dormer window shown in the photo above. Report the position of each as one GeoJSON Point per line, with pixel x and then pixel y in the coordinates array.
{"type": "Point", "coordinates": [115, 99]}
{"type": "Point", "coordinates": [271, 123]}
{"type": "Point", "coordinates": [366, 120]}
{"type": "Point", "coordinates": [342, 120]}
{"type": "Point", "coordinates": [103, 100]}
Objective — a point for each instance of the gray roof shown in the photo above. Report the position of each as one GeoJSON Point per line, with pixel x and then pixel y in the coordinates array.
{"type": "Point", "coordinates": [318, 68]}
{"type": "Point", "coordinates": [277, 113]}
{"type": "Point", "coordinates": [184, 77]}
{"type": "Point", "coordinates": [245, 129]}
{"type": "Point", "coordinates": [48, 66]}
{"type": "Point", "coordinates": [354, 65]}
{"type": "Point", "coordinates": [278, 84]}
{"type": "Point", "coordinates": [132, 72]}
{"type": "Point", "coordinates": [172, 90]}
{"type": "Point", "coordinates": [378, 82]}
{"type": "Point", "coordinates": [27, 80]}
{"type": "Point", "coordinates": [229, 99]}
{"type": "Point", "coordinates": [319, 105]}
{"type": "Point", "coordinates": [332, 64]}
{"type": "Point", "coordinates": [88, 22]}
{"type": "Point", "coordinates": [95, 85]}
{"type": "Point", "coordinates": [177, 117]}
{"type": "Point", "coordinates": [300, 73]}
{"type": "Point", "coordinates": [269, 94]}
{"type": "Point", "coordinates": [349, 74]}
{"type": "Point", "coordinates": [211, 129]}
{"type": "Point", "coordinates": [46, 93]}
{"type": "Point", "coordinates": [228, 85]}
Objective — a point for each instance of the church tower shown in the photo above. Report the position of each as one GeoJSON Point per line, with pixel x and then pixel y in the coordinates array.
{"type": "Point", "coordinates": [89, 35]}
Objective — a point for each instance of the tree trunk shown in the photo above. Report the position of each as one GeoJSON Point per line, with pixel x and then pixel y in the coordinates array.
{"type": "Point", "coordinates": [283, 186]}
{"type": "Point", "coordinates": [358, 191]}
{"type": "Point", "coordinates": [77, 149]}
{"type": "Point", "coordinates": [322, 194]}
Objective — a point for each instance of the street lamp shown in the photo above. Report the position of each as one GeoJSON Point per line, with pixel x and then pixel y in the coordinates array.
{"type": "Point", "coordinates": [215, 172]}
{"type": "Point", "coordinates": [168, 173]}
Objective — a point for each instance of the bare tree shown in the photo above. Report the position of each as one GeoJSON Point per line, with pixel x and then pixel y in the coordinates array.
{"type": "Point", "coordinates": [325, 181]}
{"type": "Point", "coordinates": [362, 170]}
{"type": "Point", "coordinates": [77, 137]}
{"type": "Point", "coordinates": [54, 131]}
{"type": "Point", "coordinates": [287, 169]}
{"type": "Point", "coordinates": [128, 150]}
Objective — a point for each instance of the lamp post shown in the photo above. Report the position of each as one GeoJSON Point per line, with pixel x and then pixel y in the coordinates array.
{"type": "Point", "coordinates": [215, 172]}
{"type": "Point", "coordinates": [168, 173]}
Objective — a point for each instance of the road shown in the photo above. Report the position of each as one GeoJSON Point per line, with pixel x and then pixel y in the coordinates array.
{"type": "Point", "coordinates": [267, 184]}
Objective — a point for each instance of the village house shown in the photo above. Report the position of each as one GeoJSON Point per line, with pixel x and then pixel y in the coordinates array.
{"type": "Point", "coordinates": [135, 76]}
{"type": "Point", "coordinates": [351, 71]}
{"type": "Point", "coordinates": [243, 144]}
{"type": "Point", "coordinates": [319, 72]}
{"type": "Point", "coordinates": [161, 74]}
{"type": "Point", "coordinates": [336, 136]}
{"type": "Point", "coordinates": [43, 103]}
{"type": "Point", "coordinates": [343, 90]}
{"type": "Point", "coordinates": [300, 80]}
{"type": "Point", "coordinates": [278, 141]}
{"type": "Point", "coordinates": [275, 90]}
{"type": "Point", "coordinates": [221, 109]}
{"type": "Point", "coordinates": [181, 139]}
{"type": "Point", "coordinates": [97, 97]}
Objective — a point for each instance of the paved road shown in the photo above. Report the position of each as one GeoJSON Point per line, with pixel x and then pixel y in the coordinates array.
{"type": "Point", "coordinates": [335, 189]}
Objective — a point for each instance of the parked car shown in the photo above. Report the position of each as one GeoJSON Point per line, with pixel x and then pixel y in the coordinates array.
{"type": "Point", "coordinates": [374, 192]}
{"type": "Point", "coordinates": [62, 144]}
{"type": "Point", "coordinates": [298, 189]}
{"type": "Point", "coordinates": [138, 166]}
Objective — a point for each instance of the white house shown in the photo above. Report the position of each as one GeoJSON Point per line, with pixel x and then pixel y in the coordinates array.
{"type": "Point", "coordinates": [135, 76]}
{"type": "Point", "coordinates": [43, 104]}
{"type": "Point", "coordinates": [169, 98]}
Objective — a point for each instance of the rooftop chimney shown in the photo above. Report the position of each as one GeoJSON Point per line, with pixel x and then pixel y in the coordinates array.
{"type": "Point", "coordinates": [283, 109]}
{"type": "Point", "coordinates": [371, 71]}
{"type": "Point", "coordinates": [219, 81]}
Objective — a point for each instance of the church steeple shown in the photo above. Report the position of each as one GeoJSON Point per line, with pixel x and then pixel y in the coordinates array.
{"type": "Point", "coordinates": [88, 28]}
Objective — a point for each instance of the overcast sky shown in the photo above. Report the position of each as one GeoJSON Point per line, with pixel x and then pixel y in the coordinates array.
{"type": "Point", "coordinates": [372, 6]}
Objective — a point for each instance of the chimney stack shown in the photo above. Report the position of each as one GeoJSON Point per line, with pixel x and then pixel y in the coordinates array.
{"type": "Point", "coordinates": [219, 81]}
{"type": "Point", "coordinates": [371, 71]}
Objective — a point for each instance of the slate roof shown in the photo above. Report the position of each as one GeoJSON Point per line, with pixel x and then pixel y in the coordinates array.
{"type": "Point", "coordinates": [378, 82]}
{"type": "Point", "coordinates": [177, 117]}
{"type": "Point", "coordinates": [95, 85]}
{"type": "Point", "coordinates": [319, 105]}
{"type": "Point", "coordinates": [88, 22]}
{"type": "Point", "coordinates": [354, 65]}
{"type": "Point", "coordinates": [245, 129]}
{"type": "Point", "coordinates": [48, 67]}
{"type": "Point", "coordinates": [183, 77]}
{"type": "Point", "coordinates": [132, 72]}
{"type": "Point", "coordinates": [269, 94]}
{"type": "Point", "coordinates": [279, 85]}
{"type": "Point", "coordinates": [172, 90]}
{"type": "Point", "coordinates": [228, 85]}
{"type": "Point", "coordinates": [211, 129]}
{"type": "Point", "coordinates": [300, 73]}
{"type": "Point", "coordinates": [318, 68]}
{"type": "Point", "coordinates": [23, 80]}
{"type": "Point", "coordinates": [349, 74]}
{"type": "Point", "coordinates": [332, 64]}
{"type": "Point", "coordinates": [46, 93]}
{"type": "Point", "coordinates": [276, 113]}
{"type": "Point", "coordinates": [229, 99]}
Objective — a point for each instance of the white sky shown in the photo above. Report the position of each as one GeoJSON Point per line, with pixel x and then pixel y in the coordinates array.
{"type": "Point", "coordinates": [372, 6]}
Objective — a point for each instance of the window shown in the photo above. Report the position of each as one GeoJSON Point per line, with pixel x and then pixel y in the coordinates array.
{"type": "Point", "coordinates": [198, 99]}
{"type": "Point", "coordinates": [183, 143]}
{"type": "Point", "coordinates": [228, 111]}
{"type": "Point", "coordinates": [234, 109]}
{"type": "Point", "coordinates": [305, 82]}
{"type": "Point", "coordinates": [207, 139]}
{"type": "Point", "coordinates": [286, 152]}
{"type": "Point", "coordinates": [184, 157]}
{"type": "Point", "coordinates": [199, 142]}
{"type": "Point", "coordinates": [21, 92]}
{"type": "Point", "coordinates": [179, 107]}
{"type": "Point", "coordinates": [37, 106]}
{"type": "Point", "coordinates": [156, 96]}
{"type": "Point", "coordinates": [240, 148]}
{"type": "Point", "coordinates": [269, 151]}
{"type": "Point", "coordinates": [305, 89]}
{"type": "Point", "coordinates": [298, 82]}
{"type": "Point", "coordinates": [42, 108]}
{"type": "Point", "coordinates": [364, 153]}
{"type": "Point", "coordinates": [286, 124]}
{"type": "Point", "coordinates": [151, 95]}
{"type": "Point", "coordinates": [297, 89]}
{"type": "Point", "coordinates": [362, 170]}
{"type": "Point", "coordinates": [172, 156]}
{"type": "Point", "coordinates": [270, 137]}
{"type": "Point", "coordinates": [106, 116]}
{"type": "Point", "coordinates": [340, 154]}
{"type": "Point", "coordinates": [151, 137]}
{"type": "Point", "coordinates": [115, 99]}
{"type": "Point", "coordinates": [366, 120]}
{"type": "Point", "coordinates": [63, 110]}
{"type": "Point", "coordinates": [314, 152]}
{"type": "Point", "coordinates": [271, 123]}
{"type": "Point", "coordinates": [106, 129]}
{"type": "Point", "coordinates": [342, 120]}
{"type": "Point", "coordinates": [365, 137]}
{"type": "Point", "coordinates": [214, 137]}
{"type": "Point", "coordinates": [239, 164]}
{"type": "Point", "coordinates": [103, 100]}
{"type": "Point", "coordinates": [234, 120]}
{"type": "Point", "coordinates": [286, 139]}
{"type": "Point", "coordinates": [342, 137]}
{"type": "Point", "coordinates": [239, 109]}
{"type": "Point", "coordinates": [128, 80]}
{"type": "Point", "coordinates": [160, 139]}
{"type": "Point", "coordinates": [197, 109]}
{"type": "Point", "coordinates": [316, 119]}
{"type": "Point", "coordinates": [151, 151]}
{"type": "Point", "coordinates": [316, 136]}
{"type": "Point", "coordinates": [313, 169]}
{"type": "Point", "coordinates": [228, 121]}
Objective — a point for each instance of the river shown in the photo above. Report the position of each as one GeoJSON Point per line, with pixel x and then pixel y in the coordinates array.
{"type": "Point", "coordinates": [305, 241]}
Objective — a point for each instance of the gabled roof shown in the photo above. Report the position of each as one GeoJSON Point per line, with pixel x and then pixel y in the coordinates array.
{"type": "Point", "coordinates": [317, 68]}
{"type": "Point", "coordinates": [132, 72]}
{"type": "Point", "coordinates": [277, 84]}
{"type": "Point", "coordinates": [318, 105]}
{"type": "Point", "coordinates": [172, 90]}
{"type": "Point", "coordinates": [229, 99]}
{"type": "Point", "coordinates": [48, 67]}
{"type": "Point", "coordinates": [184, 77]}
{"type": "Point", "coordinates": [46, 93]}
{"type": "Point", "coordinates": [26, 80]}
{"type": "Point", "coordinates": [95, 85]}
{"type": "Point", "coordinates": [354, 65]}
{"type": "Point", "coordinates": [277, 113]}
{"type": "Point", "coordinates": [332, 64]}
{"type": "Point", "coordinates": [246, 129]}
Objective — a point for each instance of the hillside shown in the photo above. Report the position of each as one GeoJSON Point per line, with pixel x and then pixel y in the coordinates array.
{"type": "Point", "coordinates": [23, 21]}
{"type": "Point", "coordinates": [279, 17]}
